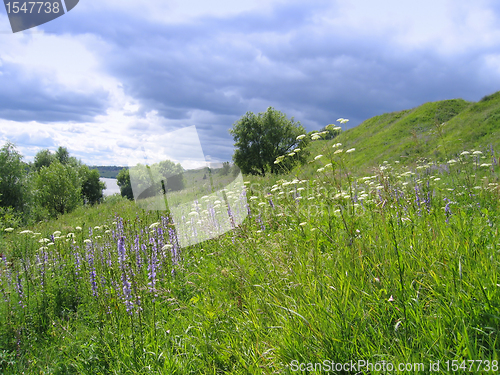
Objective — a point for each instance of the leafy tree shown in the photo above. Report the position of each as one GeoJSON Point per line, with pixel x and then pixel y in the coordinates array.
{"type": "Point", "coordinates": [62, 155]}
{"type": "Point", "coordinates": [123, 181]}
{"type": "Point", "coordinates": [58, 188]}
{"type": "Point", "coordinates": [226, 167]}
{"type": "Point", "coordinates": [260, 139]}
{"type": "Point", "coordinates": [92, 186]}
{"type": "Point", "coordinates": [172, 173]}
{"type": "Point", "coordinates": [43, 158]}
{"type": "Point", "coordinates": [13, 171]}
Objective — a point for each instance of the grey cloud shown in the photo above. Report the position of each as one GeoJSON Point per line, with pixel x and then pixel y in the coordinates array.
{"type": "Point", "coordinates": [229, 65]}
{"type": "Point", "coordinates": [26, 98]}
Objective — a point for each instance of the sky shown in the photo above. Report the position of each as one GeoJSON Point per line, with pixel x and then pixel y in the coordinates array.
{"type": "Point", "coordinates": [112, 79]}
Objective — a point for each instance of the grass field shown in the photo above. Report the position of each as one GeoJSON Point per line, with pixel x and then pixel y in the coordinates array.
{"type": "Point", "coordinates": [399, 265]}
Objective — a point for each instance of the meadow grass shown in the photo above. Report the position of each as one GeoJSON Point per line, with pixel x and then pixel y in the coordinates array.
{"type": "Point", "coordinates": [400, 265]}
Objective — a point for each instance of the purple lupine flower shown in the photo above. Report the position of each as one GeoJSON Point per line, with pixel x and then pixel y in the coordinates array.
{"type": "Point", "coordinates": [270, 200]}
{"type": "Point", "coordinates": [152, 266]}
{"type": "Point", "coordinates": [20, 291]}
{"type": "Point", "coordinates": [447, 210]}
{"type": "Point", "coordinates": [259, 220]}
{"type": "Point", "coordinates": [126, 287]}
{"type": "Point", "coordinates": [175, 247]}
{"type": "Point", "coordinates": [231, 217]}
{"type": "Point", "coordinates": [138, 258]}
{"type": "Point", "coordinates": [92, 273]}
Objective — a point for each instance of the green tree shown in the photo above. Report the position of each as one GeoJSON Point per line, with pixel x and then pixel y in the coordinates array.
{"type": "Point", "coordinates": [123, 181]}
{"type": "Point", "coordinates": [172, 173]}
{"type": "Point", "coordinates": [226, 167]}
{"type": "Point", "coordinates": [260, 139]}
{"type": "Point", "coordinates": [62, 155]}
{"type": "Point", "coordinates": [58, 188]}
{"type": "Point", "coordinates": [92, 186]}
{"type": "Point", "coordinates": [43, 158]}
{"type": "Point", "coordinates": [13, 171]}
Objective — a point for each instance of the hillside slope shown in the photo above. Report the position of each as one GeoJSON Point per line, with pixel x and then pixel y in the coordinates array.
{"type": "Point", "coordinates": [418, 133]}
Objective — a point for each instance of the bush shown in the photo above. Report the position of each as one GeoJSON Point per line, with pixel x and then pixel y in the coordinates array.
{"type": "Point", "coordinates": [58, 188]}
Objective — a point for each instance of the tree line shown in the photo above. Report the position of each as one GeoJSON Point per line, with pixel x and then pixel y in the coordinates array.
{"type": "Point", "coordinates": [51, 185]}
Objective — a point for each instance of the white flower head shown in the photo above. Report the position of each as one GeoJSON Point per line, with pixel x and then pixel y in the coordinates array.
{"type": "Point", "coordinates": [301, 136]}
{"type": "Point", "coordinates": [315, 137]}
{"type": "Point", "coordinates": [350, 150]}
{"type": "Point", "coordinates": [291, 154]}
{"type": "Point", "coordinates": [317, 157]}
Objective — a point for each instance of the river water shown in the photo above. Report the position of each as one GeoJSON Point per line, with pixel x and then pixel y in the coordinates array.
{"type": "Point", "coordinates": [111, 186]}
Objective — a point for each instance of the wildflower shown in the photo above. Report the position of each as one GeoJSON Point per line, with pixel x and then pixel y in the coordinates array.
{"type": "Point", "coordinates": [464, 153]}
{"type": "Point", "coordinates": [25, 232]}
{"type": "Point", "coordinates": [350, 150]}
{"type": "Point", "coordinates": [452, 161]}
{"type": "Point", "coordinates": [302, 224]}
{"type": "Point", "coordinates": [477, 153]}
{"type": "Point", "coordinates": [253, 197]}
{"type": "Point", "coordinates": [342, 120]}
{"type": "Point", "coordinates": [328, 165]}
{"type": "Point", "coordinates": [80, 228]}
{"type": "Point", "coordinates": [97, 228]}
{"type": "Point", "coordinates": [57, 233]}
{"type": "Point", "coordinates": [167, 247]}
{"type": "Point", "coordinates": [296, 150]}
{"type": "Point", "coordinates": [87, 241]}
{"type": "Point", "coordinates": [320, 170]}
{"type": "Point", "coordinates": [8, 229]}
{"type": "Point", "coordinates": [317, 157]}
{"type": "Point", "coordinates": [391, 299]}
{"type": "Point", "coordinates": [338, 151]}
{"type": "Point", "coordinates": [337, 145]}
{"type": "Point", "coordinates": [485, 165]}
{"type": "Point", "coordinates": [301, 136]}
{"type": "Point", "coordinates": [315, 137]}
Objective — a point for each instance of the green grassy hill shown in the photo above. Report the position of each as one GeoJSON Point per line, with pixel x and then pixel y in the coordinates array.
{"type": "Point", "coordinates": [418, 133]}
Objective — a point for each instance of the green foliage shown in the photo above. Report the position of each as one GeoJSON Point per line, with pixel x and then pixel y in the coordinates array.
{"type": "Point", "coordinates": [13, 174]}
{"type": "Point", "coordinates": [260, 139]}
{"type": "Point", "coordinates": [92, 187]}
{"type": "Point", "coordinates": [123, 181]}
{"type": "Point", "coordinates": [399, 266]}
{"type": "Point", "coordinates": [43, 158]}
{"type": "Point", "coordinates": [226, 167]}
{"type": "Point", "coordinates": [108, 171]}
{"type": "Point", "coordinates": [62, 155]}
{"type": "Point", "coordinates": [58, 188]}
